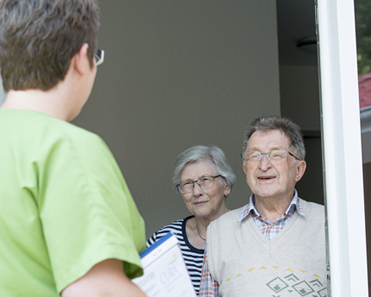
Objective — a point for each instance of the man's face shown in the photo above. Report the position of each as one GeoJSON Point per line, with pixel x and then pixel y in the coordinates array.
{"type": "Point", "coordinates": [272, 179]}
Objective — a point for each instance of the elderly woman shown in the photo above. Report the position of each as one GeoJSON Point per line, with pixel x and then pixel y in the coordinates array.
{"type": "Point", "coordinates": [204, 178]}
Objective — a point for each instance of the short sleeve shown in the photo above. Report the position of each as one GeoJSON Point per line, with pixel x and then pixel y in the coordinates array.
{"type": "Point", "coordinates": [86, 209]}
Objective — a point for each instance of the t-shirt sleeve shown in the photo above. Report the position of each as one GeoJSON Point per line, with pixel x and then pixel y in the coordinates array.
{"type": "Point", "coordinates": [151, 240]}
{"type": "Point", "coordinates": [155, 237]}
{"type": "Point", "coordinates": [86, 209]}
{"type": "Point", "coordinates": [162, 232]}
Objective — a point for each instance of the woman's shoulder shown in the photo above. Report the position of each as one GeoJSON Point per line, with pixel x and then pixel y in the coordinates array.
{"type": "Point", "coordinates": [176, 224]}
{"type": "Point", "coordinates": [176, 227]}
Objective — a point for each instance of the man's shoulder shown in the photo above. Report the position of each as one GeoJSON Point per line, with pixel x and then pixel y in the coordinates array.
{"type": "Point", "coordinates": [312, 209]}
{"type": "Point", "coordinates": [43, 134]}
{"type": "Point", "coordinates": [222, 231]}
{"type": "Point", "coordinates": [34, 123]}
{"type": "Point", "coordinates": [74, 132]}
{"type": "Point", "coordinates": [229, 217]}
{"type": "Point", "coordinates": [311, 205]}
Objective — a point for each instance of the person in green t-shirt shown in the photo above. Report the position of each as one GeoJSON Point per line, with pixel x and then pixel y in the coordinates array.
{"type": "Point", "coordinates": [68, 223]}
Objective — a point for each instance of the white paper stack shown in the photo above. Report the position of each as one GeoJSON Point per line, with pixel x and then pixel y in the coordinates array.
{"type": "Point", "coordinates": [165, 273]}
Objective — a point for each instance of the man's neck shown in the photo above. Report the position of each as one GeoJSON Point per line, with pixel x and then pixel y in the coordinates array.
{"type": "Point", "coordinates": [272, 208]}
{"type": "Point", "coordinates": [48, 102]}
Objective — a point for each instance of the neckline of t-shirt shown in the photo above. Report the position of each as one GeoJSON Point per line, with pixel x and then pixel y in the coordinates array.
{"type": "Point", "coordinates": [191, 247]}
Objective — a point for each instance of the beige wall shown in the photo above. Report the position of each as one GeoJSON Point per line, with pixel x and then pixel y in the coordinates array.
{"type": "Point", "coordinates": [177, 74]}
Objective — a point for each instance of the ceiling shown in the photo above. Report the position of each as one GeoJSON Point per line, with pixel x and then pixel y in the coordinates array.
{"type": "Point", "coordinates": [295, 22]}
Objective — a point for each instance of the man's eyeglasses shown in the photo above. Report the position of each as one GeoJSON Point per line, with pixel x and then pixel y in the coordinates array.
{"type": "Point", "coordinates": [273, 156]}
{"type": "Point", "coordinates": [205, 183]}
{"type": "Point", "coordinates": [99, 56]}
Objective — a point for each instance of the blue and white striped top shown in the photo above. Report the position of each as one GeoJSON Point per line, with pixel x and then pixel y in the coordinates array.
{"type": "Point", "coordinates": [192, 256]}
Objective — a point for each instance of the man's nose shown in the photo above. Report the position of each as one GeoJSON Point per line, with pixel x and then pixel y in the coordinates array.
{"type": "Point", "coordinates": [264, 162]}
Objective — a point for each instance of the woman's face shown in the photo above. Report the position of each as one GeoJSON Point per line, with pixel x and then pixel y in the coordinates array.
{"type": "Point", "coordinates": [206, 204]}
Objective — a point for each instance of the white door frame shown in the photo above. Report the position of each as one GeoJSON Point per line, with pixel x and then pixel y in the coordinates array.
{"type": "Point", "coordinates": [341, 142]}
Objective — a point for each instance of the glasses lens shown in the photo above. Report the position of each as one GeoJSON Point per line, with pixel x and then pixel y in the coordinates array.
{"type": "Point", "coordinates": [99, 57]}
{"type": "Point", "coordinates": [186, 187]}
{"type": "Point", "coordinates": [277, 155]}
{"type": "Point", "coordinates": [253, 156]}
{"type": "Point", "coordinates": [206, 182]}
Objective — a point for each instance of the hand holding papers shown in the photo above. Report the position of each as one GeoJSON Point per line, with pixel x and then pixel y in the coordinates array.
{"type": "Point", "coordinates": [165, 274]}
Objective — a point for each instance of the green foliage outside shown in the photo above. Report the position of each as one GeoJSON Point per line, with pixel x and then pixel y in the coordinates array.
{"type": "Point", "coordinates": [363, 27]}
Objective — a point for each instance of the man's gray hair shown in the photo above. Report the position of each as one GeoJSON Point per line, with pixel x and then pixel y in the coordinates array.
{"type": "Point", "coordinates": [286, 126]}
{"type": "Point", "coordinates": [212, 154]}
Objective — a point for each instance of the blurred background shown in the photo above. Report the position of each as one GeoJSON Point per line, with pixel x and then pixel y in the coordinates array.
{"type": "Point", "coordinates": [183, 73]}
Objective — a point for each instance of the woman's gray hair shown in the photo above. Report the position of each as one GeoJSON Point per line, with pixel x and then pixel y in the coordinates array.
{"type": "Point", "coordinates": [212, 154]}
{"type": "Point", "coordinates": [286, 126]}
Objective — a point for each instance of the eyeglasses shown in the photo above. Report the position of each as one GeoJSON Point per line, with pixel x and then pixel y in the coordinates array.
{"type": "Point", "coordinates": [99, 56]}
{"type": "Point", "coordinates": [273, 156]}
{"type": "Point", "coordinates": [205, 182]}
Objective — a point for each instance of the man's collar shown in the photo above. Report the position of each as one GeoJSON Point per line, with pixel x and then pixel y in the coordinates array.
{"type": "Point", "coordinates": [250, 208]}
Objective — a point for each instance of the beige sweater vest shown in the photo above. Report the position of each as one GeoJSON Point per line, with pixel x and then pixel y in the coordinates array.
{"type": "Point", "coordinates": [245, 263]}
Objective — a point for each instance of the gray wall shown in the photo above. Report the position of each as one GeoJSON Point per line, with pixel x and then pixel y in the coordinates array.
{"type": "Point", "coordinates": [300, 96]}
{"type": "Point", "coordinates": [300, 102]}
{"type": "Point", "coordinates": [177, 74]}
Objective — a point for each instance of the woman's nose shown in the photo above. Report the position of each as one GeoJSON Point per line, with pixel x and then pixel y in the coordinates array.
{"type": "Point", "coordinates": [197, 190]}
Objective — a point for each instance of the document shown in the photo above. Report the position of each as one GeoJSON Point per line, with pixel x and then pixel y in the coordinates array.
{"type": "Point", "coordinates": [165, 273]}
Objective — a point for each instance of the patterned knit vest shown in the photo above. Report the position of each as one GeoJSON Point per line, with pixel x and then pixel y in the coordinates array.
{"type": "Point", "coordinates": [245, 263]}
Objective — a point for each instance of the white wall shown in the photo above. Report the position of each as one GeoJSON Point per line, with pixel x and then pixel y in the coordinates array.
{"type": "Point", "coordinates": [177, 74]}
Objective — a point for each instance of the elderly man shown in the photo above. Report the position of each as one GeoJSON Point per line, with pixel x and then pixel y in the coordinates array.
{"type": "Point", "coordinates": [275, 245]}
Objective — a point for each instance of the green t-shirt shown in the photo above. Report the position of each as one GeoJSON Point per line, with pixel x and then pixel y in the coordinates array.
{"type": "Point", "coordinates": [64, 206]}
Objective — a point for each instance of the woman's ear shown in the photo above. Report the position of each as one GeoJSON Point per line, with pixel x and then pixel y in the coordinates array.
{"type": "Point", "coordinates": [227, 191]}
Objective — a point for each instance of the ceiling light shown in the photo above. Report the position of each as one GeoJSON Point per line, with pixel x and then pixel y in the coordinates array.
{"type": "Point", "coordinates": [308, 45]}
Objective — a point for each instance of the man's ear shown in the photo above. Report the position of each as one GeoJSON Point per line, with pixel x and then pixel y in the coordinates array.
{"type": "Point", "coordinates": [80, 60]}
{"type": "Point", "coordinates": [300, 169]}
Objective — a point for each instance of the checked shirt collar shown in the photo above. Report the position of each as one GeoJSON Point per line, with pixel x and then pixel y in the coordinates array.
{"type": "Point", "coordinates": [267, 228]}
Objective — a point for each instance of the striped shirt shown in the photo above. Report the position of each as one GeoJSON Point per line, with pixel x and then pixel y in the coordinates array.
{"type": "Point", "coordinates": [192, 256]}
{"type": "Point", "coordinates": [209, 287]}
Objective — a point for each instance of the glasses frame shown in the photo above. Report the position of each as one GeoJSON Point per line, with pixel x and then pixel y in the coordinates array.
{"type": "Point", "coordinates": [196, 181]}
{"type": "Point", "coordinates": [99, 56]}
{"type": "Point", "coordinates": [267, 154]}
